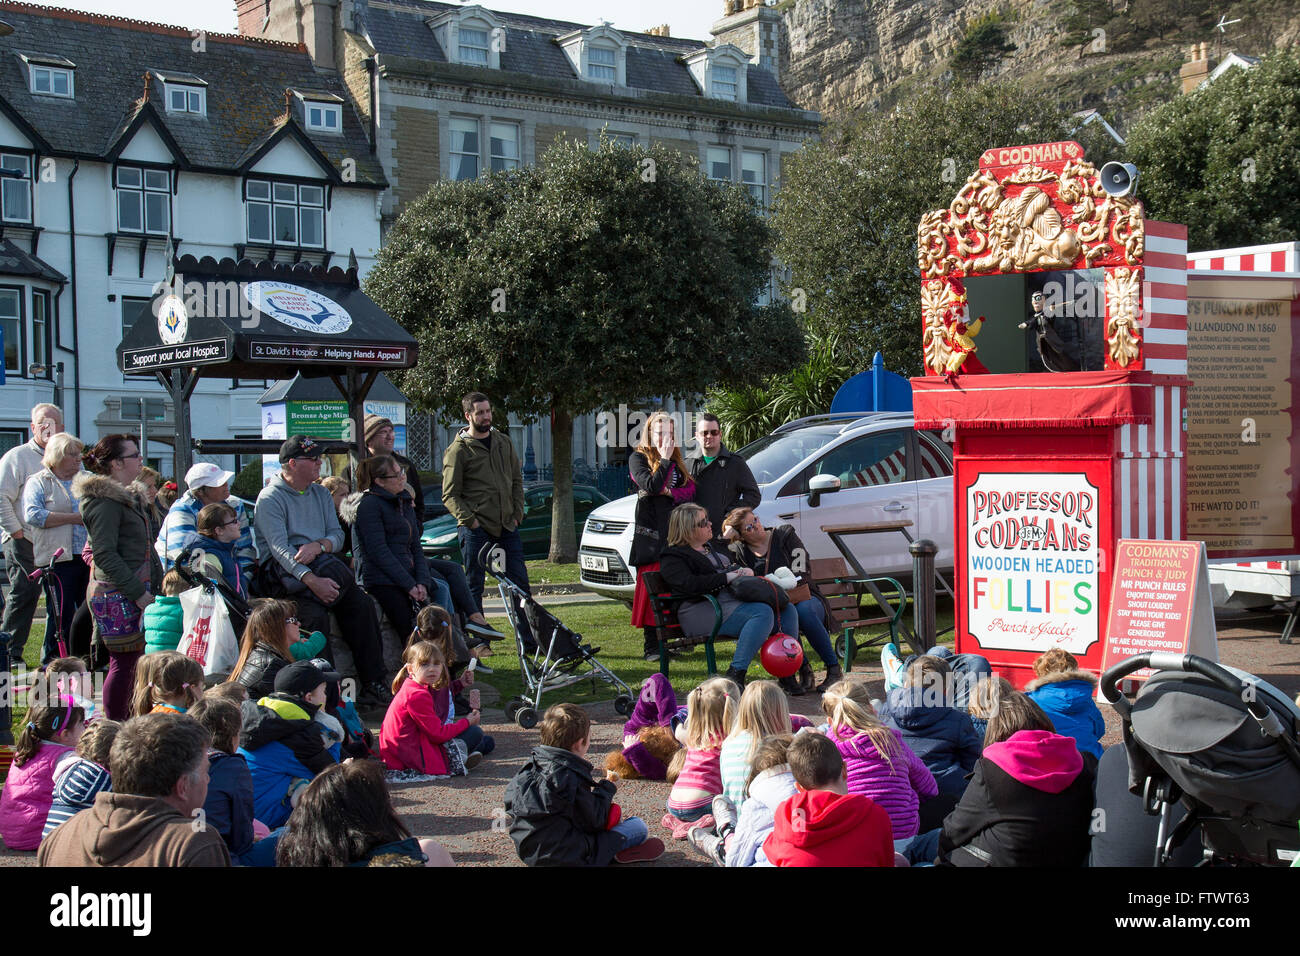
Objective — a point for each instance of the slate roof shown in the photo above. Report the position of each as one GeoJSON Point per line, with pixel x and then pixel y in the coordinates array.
{"type": "Point", "coordinates": [653, 62]}
{"type": "Point", "coordinates": [15, 262]}
{"type": "Point", "coordinates": [246, 88]}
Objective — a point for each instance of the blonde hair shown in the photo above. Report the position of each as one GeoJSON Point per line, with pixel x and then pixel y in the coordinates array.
{"type": "Point", "coordinates": [173, 584]}
{"type": "Point", "coordinates": [1055, 661]}
{"type": "Point", "coordinates": [59, 447]}
{"type": "Point", "coordinates": [1016, 712]}
{"type": "Point", "coordinates": [710, 712]}
{"type": "Point", "coordinates": [682, 522]}
{"type": "Point", "coordinates": [646, 446]}
{"type": "Point", "coordinates": [763, 712]}
{"type": "Point", "coordinates": [986, 696]}
{"type": "Point", "coordinates": [334, 484]}
{"type": "Point", "coordinates": [169, 674]}
{"type": "Point", "coordinates": [847, 706]}
{"type": "Point", "coordinates": [420, 653]}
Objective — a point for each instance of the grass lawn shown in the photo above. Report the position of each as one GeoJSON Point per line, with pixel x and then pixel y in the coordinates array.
{"type": "Point", "coordinates": [32, 658]}
{"type": "Point", "coordinates": [545, 572]}
{"type": "Point", "coordinates": [605, 624]}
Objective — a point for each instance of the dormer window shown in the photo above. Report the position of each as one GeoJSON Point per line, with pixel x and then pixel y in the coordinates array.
{"type": "Point", "coordinates": [720, 72]}
{"type": "Point", "coordinates": [471, 36]}
{"type": "Point", "coordinates": [52, 81]}
{"type": "Point", "coordinates": [598, 54]}
{"type": "Point", "coordinates": [724, 83]}
{"type": "Point", "coordinates": [602, 64]}
{"type": "Point", "coordinates": [187, 99]}
{"type": "Point", "coordinates": [474, 47]}
{"type": "Point", "coordinates": [324, 117]}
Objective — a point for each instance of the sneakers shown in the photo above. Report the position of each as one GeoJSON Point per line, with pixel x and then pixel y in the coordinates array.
{"type": "Point", "coordinates": [709, 844]}
{"type": "Point", "coordinates": [833, 676]}
{"type": "Point", "coordinates": [651, 849]}
{"type": "Point", "coordinates": [473, 760]}
{"type": "Point", "coordinates": [483, 631]}
{"type": "Point", "coordinates": [724, 815]}
{"type": "Point", "coordinates": [481, 668]}
{"type": "Point", "coordinates": [892, 665]}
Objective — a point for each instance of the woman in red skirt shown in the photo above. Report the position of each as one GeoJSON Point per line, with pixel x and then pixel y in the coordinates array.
{"type": "Point", "coordinates": [662, 482]}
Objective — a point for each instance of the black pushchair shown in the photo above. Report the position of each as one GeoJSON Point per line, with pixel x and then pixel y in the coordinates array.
{"type": "Point", "coordinates": [550, 656]}
{"type": "Point", "coordinates": [189, 565]}
{"type": "Point", "coordinates": [1223, 744]}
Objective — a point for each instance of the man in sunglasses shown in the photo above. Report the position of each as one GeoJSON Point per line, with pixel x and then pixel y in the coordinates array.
{"type": "Point", "coordinates": [722, 479]}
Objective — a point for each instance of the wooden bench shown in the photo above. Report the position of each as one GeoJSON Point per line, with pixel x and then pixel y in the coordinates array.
{"type": "Point", "coordinates": [844, 593]}
{"type": "Point", "coordinates": [664, 603]}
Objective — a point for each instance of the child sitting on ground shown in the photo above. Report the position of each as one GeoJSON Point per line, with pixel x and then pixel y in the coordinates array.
{"type": "Point", "coordinates": [879, 764]}
{"type": "Point", "coordinates": [420, 728]}
{"type": "Point", "coordinates": [1065, 694]}
{"type": "Point", "coordinates": [218, 528]}
{"type": "Point", "coordinates": [282, 742]}
{"type": "Point", "coordinates": [710, 712]}
{"type": "Point", "coordinates": [985, 698]}
{"type": "Point", "coordinates": [823, 824]}
{"type": "Point", "coordinates": [231, 690]}
{"type": "Point", "coordinates": [50, 731]}
{"type": "Point", "coordinates": [940, 734]}
{"type": "Point", "coordinates": [171, 684]}
{"type": "Point", "coordinates": [228, 808]}
{"type": "Point", "coordinates": [82, 774]}
{"type": "Point", "coordinates": [769, 785]}
{"type": "Point", "coordinates": [763, 712]}
{"type": "Point", "coordinates": [164, 619]}
{"type": "Point", "coordinates": [68, 676]}
{"type": "Point", "coordinates": [559, 815]}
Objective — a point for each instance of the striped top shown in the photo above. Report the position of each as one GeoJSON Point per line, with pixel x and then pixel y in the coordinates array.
{"type": "Point", "coordinates": [735, 766]}
{"type": "Point", "coordinates": [76, 782]}
{"type": "Point", "coordinates": [699, 782]}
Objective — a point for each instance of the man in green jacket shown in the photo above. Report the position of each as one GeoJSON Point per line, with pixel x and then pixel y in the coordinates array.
{"type": "Point", "coordinates": [483, 486]}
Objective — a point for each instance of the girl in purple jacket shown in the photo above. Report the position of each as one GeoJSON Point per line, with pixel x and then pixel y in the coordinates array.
{"type": "Point", "coordinates": [879, 765]}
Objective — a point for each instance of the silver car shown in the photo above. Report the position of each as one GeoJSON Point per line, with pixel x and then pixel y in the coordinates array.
{"type": "Point", "coordinates": [826, 470]}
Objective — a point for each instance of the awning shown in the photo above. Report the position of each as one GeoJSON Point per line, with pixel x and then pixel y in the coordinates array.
{"type": "Point", "coordinates": [263, 320]}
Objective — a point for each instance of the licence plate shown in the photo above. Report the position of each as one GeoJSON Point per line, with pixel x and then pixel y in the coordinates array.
{"type": "Point", "coordinates": [594, 562]}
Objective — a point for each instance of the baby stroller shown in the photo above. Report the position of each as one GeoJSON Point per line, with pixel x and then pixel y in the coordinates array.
{"type": "Point", "coordinates": [1221, 742]}
{"type": "Point", "coordinates": [189, 565]}
{"type": "Point", "coordinates": [556, 658]}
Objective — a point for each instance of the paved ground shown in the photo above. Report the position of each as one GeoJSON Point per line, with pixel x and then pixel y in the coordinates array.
{"type": "Point", "coordinates": [465, 814]}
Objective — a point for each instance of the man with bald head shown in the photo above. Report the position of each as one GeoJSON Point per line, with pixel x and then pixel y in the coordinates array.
{"type": "Point", "coordinates": [17, 465]}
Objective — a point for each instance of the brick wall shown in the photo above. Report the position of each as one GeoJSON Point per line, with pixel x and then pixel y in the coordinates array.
{"type": "Point", "coordinates": [415, 153]}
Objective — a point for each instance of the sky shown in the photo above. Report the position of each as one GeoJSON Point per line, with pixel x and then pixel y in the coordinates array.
{"type": "Point", "coordinates": [689, 19]}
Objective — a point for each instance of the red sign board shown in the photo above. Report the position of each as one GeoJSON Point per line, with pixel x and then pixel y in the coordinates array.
{"type": "Point", "coordinates": [1160, 602]}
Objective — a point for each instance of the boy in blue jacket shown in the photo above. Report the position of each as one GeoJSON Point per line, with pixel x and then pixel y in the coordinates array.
{"type": "Point", "coordinates": [1066, 694]}
{"type": "Point", "coordinates": [940, 734]}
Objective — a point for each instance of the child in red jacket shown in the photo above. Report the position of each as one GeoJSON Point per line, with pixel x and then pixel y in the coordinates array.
{"type": "Point", "coordinates": [421, 722]}
{"type": "Point", "coordinates": [823, 824]}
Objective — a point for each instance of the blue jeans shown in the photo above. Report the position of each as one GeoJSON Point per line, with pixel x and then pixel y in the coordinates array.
{"type": "Point", "coordinates": [811, 626]}
{"type": "Point", "coordinates": [475, 739]}
{"type": "Point", "coordinates": [262, 853]}
{"type": "Point", "coordinates": [967, 671]}
{"type": "Point", "coordinates": [440, 594]}
{"type": "Point", "coordinates": [472, 541]}
{"type": "Point", "coordinates": [921, 849]}
{"type": "Point", "coordinates": [751, 625]}
{"type": "Point", "coordinates": [453, 576]}
{"type": "Point", "coordinates": [633, 831]}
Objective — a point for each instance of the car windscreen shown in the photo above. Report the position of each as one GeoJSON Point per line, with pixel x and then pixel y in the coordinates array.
{"type": "Point", "coordinates": [772, 457]}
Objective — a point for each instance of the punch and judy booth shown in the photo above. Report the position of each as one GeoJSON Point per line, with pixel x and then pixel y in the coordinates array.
{"type": "Point", "coordinates": [1055, 348]}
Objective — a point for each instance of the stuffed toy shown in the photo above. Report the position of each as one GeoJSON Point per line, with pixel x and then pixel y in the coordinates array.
{"type": "Point", "coordinates": [649, 743]}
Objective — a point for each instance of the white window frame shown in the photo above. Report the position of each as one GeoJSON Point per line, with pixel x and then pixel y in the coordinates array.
{"type": "Point", "coordinates": [284, 202]}
{"type": "Point", "coordinates": [498, 162]}
{"type": "Point", "coordinates": [453, 167]}
{"type": "Point", "coordinates": [321, 124]}
{"type": "Point", "coordinates": [50, 74]}
{"type": "Point", "coordinates": [195, 98]}
{"type": "Point", "coordinates": [724, 89]}
{"type": "Point", "coordinates": [485, 50]}
{"type": "Point", "coordinates": [757, 188]}
{"type": "Point", "coordinates": [708, 161]}
{"type": "Point", "coordinates": [602, 72]}
{"type": "Point", "coordinates": [42, 339]}
{"type": "Point", "coordinates": [17, 322]}
{"type": "Point", "coordinates": [149, 186]}
{"type": "Point", "coordinates": [17, 162]}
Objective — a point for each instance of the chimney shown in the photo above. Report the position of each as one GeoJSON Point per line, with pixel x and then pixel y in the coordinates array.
{"type": "Point", "coordinates": [659, 31]}
{"type": "Point", "coordinates": [1197, 68]}
{"type": "Point", "coordinates": [754, 27]}
{"type": "Point", "coordinates": [310, 22]}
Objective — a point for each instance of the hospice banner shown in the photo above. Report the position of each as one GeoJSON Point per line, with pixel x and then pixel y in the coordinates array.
{"type": "Point", "coordinates": [1031, 552]}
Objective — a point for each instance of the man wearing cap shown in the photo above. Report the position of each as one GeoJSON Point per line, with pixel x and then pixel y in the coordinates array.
{"type": "Point", "coordinates": [208, 484]}
{"type": "Point", "coordinates": [17, 465]}
{"type": "Point", "coordinates": [296, 530]}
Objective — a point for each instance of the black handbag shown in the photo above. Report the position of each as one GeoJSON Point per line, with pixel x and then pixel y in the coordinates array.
{"type": "Point", "coordinates": [760, 590]}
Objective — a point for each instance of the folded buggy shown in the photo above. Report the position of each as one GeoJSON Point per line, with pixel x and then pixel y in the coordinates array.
{"type": "Point", "coordinates": [189, 565]}
{"type": "Point", "coordinates": [1221, 742]}
{"type": "Point", "coordinates": [550, 656]}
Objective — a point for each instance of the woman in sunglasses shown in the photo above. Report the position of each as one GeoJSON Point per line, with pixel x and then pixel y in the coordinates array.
{"type": "Point", "coordinates": [218, 528]}
{"type": "Point", "coordinates": [268, 645]}
{"type": "Point", "coordinates": [692, 566]}
{"type": "Point", "coordinates": [764, 551]}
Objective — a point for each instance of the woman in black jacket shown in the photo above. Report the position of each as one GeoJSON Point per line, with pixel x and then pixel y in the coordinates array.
{"type": "Point", "coordinates": [386, 543]}
{"type": "Point", "coordinates": [662, 481]}
{"type": "Point", "coordinates": [691, 566]}
{"type": "Point", "coordinates": [764, 551]}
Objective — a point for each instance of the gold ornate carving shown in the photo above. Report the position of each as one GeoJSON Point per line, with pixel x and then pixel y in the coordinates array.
{"type": "Point", "coordinates": [1122, 306]}
{"type": "Point", "coordinates": [1031, 174]}
{"type": "Point", "coordinates": [1028, 235]}
{"type": "Point", "coordinates": [937, 297]}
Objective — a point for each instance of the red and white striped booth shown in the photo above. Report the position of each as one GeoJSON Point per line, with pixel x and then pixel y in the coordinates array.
{"type": "Point", "coordinates": [1052, 468]}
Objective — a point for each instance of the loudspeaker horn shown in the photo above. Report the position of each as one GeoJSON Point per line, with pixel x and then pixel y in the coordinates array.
{"type": "Point", "coordinates": [1119, 179]}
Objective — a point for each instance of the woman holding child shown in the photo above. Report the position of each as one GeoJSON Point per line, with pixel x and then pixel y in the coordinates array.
{"type": "Point", "coordinates": [764, 551]}
{"type": "Point", "coordinates": [692, 567]}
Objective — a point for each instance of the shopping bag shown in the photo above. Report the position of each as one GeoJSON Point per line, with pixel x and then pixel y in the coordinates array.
{"type": "Point", "coordinates": [208, 636]}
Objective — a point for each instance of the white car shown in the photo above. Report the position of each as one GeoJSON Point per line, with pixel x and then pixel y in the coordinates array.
{"type": "Point", "coordinates": [824, 470]}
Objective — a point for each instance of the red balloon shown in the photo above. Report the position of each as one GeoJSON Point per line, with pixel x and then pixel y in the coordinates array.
{"type": "Point", "coordinates": [781, 655]}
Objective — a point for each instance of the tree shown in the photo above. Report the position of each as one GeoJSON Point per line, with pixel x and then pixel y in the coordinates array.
{"type": "Point", "coordinates": [1225, 159]}
{"type": "Point", "coordinates": [849, 207]}
{"type": "Point", "coordinates": [982, 47]}
{"type": "Point", "coordinates": [591, 279]}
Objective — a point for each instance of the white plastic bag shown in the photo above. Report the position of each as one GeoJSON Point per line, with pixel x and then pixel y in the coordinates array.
{"type": "Point", "coordinates": [208, 635]}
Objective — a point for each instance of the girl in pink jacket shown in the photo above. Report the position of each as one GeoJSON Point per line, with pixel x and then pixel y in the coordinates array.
{"type": "Point", "coordinates": [420, 723]}
{"type": "Point", "coordinates": [51, 732]}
